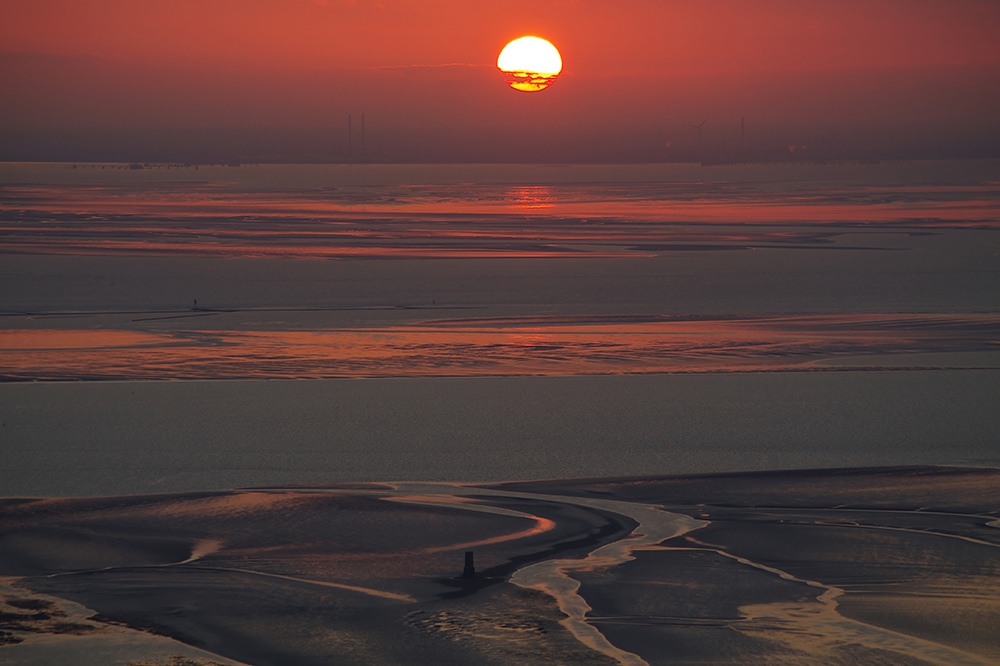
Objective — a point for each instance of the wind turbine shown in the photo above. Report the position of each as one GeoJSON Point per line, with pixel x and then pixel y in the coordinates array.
{"type": "Point", "coordinates": [698, 127]}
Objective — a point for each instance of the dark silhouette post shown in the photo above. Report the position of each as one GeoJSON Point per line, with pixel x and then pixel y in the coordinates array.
{"type": "Point", "coordinates": [470, 567]}
{"type": "Point", "coordinates": [362, 137]}
{"type": "Point", "coordinates": [350, 138]}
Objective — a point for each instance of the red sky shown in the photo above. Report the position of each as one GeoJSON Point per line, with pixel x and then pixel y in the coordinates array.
{"type": "Point", "coordinates": [836, 66]}
{"type": "Point", "coordinates": [599, 38]}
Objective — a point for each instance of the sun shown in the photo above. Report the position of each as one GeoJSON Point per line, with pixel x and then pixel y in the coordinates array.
{"type": "Point", "coordinates": [530, 64]}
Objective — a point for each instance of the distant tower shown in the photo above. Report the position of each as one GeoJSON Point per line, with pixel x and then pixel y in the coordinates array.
{"type": "Point", "coordinates": [362, 137]}
{"type": "Point", "coordinates": [350, 138]}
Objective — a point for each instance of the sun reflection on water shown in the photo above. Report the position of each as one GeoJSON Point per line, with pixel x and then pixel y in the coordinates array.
{"type": "Point", "coordinates": [531, 196]}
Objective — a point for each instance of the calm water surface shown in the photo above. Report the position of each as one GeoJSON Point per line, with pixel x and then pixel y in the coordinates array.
{"type": "Point", "coordinates": [499, 321]}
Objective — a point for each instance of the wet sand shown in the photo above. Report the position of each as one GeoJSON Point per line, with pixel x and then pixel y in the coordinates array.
{"type": "Point", "coordinates": [854, 566]}
{"type": "Point", "coordinates": [867, 293]}
{"type": "Point", "coordinates": [833, 564]}
{"type": "Point", "coordinates": [501, 346]}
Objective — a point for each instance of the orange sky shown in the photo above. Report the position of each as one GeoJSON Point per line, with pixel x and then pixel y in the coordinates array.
{"type": "Point", "coordinates": [429, 63]}
{"type": "Point", "coordinates": [598, 37]}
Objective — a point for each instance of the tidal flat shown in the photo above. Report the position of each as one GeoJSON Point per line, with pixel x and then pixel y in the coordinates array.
{"type": "Point", "coordinates": [852, 566]}
{"type": "Point", "coordinates": [680, 414]}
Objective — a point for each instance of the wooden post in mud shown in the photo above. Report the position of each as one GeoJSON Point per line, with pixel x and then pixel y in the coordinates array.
{"type": "Point", "coordinates": [470, 567]}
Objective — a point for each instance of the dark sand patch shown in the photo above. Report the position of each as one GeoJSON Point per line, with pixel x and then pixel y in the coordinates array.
{"type": "Point", "coordinates": [176, 660]}
{"type": "Point", "coordinates": [910, 576]}
{"type": "Point", "coordinates": [309, 577]}
{"type": "Point", "coordinates": [327, 536]}
{"type": "Point", "coordinates": [20, 615]}
{"type": "Point", "coordinates": [958, 490]}
{"type": "Point", "coordinates": [939, 587]}
{"type": "Point", "coordinates": [42, 629]}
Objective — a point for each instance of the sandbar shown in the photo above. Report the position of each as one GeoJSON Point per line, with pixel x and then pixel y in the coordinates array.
{"type": "Point", "coordinates": [894, 565]}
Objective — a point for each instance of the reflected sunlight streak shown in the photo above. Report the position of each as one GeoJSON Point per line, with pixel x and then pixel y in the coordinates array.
{"type": "Point", "coordinates": [512, 346]}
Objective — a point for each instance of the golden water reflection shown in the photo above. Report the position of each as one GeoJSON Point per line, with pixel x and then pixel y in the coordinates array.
{"type": "Point", "coordinates": [531, 197]}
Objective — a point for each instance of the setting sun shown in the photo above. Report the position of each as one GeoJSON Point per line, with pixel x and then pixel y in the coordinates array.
{"type": "Point", "coordinates": [529, 64]}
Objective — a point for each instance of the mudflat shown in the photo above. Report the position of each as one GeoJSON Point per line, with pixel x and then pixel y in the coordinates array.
{"type": "Point", "coordinates": [892, 565]}
{"type": "Point", "coordinates": [453, 326]}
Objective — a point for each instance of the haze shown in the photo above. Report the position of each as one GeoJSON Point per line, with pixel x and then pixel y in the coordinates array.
{"type": "Point", "coordinates": [275, 81]}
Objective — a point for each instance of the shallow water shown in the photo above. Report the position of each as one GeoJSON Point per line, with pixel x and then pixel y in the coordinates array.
{"type": "Point", "coordinates": [509, 346]}
{"type": "Point", "coordinates": [94, 438]}
{"type": "Point", "coordinates": [322, 271]}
